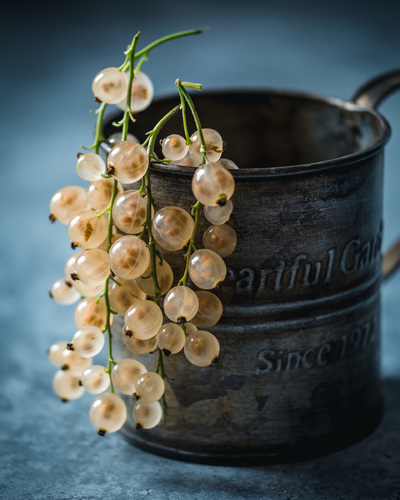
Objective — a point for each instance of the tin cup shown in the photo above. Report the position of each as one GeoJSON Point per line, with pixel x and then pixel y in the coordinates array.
{"type": "Point", "coordinates": [299, 369]}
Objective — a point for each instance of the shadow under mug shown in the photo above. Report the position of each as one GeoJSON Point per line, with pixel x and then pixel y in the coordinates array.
{"type": "Point", "coordinates": [299, 368]}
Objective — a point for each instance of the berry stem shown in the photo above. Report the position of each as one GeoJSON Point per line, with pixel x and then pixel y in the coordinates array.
{"type": "Point", "coordinates": [161, 371]}
{"type": "Point", "coordinates": [98, 135]}
{"type": "Point", "coordinates": [150, 201]}
{"type": "Point", "coordinates": [191, 246]}
{"type": "Point", "coordinates": [127, 112]}
{"type": "Point", "coordinates": [183, 92]}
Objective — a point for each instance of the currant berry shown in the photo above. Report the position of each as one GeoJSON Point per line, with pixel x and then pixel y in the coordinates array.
{"type": "Point", "coordinates": [129, 257]}
{"type": "Point", "coordinates": [68, 202]}
{"type": "Point", "coordinates": [127, 162]}
{"type": "Point", "coordinates": [141, 94]}
{"type": "Point", "coordinates": [73, 363]}
{"type": "Point", "coordinates": [206, 269]}
{"type": "Point", "coordinates": [92, 267]}
{"type": "Point", "coordinates": [64, 293]}
{"type": "Point", "coordinates": [172, 228]}
{"type": "Point", "coordinates": [100, 191]}
{"type": "Point", "coordinates": [174, 147]}
{"type": "Point", "coordinates": [170, 338]}
{"type": "Point", "coordinates": [87, 230]}
{"type": "Point", "coordinates": [129, 212]}
{"type": "Point", "coordinates": [125, 374]}
{"type": "Point", "coordinates": [181, 304]}
{"type": "Point", "coordinates": [110, 85]}
{"type": "Point", "coordinates": [95, 379]}
{"type": "Point", "coordinates": [147, 415]}
{"type": "Point", "coordinates": [218, 215]}
{"type": "Point", "coordinates": [107, 413]}
{"type": "Point", "coordinates": [212, 184]}
{"type": "Point", "coordinates": [90, 166]}
{"type": "Point", "coordinates": [149, 387]}
{"type": "Point", "coordinates": [210, 310]}
{"type": "Point", "coordinates": [144, 318]}
{"type": "Point", "coordinates": [91, 312]}
{"type": "Point", "coordinates": [214, 145]}
{"type": "Point", "coordinates": [67, 386]}
{"type": "Point", "coordinates": [55, 352]}
{"type": "Point", "coordinates": [222, 239]}
{"type": "Point", "coordinates": [88, 341]}
{"type": "Point", "coordinates": [165, 277]}
{"type": "Point", "coordinates": [201, 348]}
{"type": "Point", "coordinates": [138, 346]}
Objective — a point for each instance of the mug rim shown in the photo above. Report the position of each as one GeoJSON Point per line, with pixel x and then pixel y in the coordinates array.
{"type": "Point", "coordinates": [299, 169]}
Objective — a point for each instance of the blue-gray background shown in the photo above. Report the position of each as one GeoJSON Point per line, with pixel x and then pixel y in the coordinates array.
{"type": "Point", "coordinates": [49, 55]}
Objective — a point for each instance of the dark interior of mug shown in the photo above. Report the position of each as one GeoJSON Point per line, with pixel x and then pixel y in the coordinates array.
{"type": "Point", "coordinates": [271, 129]}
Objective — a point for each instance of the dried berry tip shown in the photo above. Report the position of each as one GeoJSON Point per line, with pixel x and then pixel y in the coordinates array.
{"type": "Point", "coordinates": [101, 432]}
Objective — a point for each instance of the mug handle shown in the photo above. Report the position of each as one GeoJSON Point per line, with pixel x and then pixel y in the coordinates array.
{"type": "Point", "coordinates": [371, 95]}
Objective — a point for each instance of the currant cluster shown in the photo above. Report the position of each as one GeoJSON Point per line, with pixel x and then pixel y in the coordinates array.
{"type": "Point", "coordinates": [119, 268]}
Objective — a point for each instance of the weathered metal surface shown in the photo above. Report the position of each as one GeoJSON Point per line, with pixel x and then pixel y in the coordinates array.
{"type": "Point", "coordinates": [298, 373]}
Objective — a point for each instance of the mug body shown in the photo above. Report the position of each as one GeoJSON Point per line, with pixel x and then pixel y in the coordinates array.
{"type": "Point", "coordinates": [299, 369]}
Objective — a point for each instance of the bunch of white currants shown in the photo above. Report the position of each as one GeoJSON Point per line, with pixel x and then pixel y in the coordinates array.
{"type": "Point", "coordinates": [119, 268]}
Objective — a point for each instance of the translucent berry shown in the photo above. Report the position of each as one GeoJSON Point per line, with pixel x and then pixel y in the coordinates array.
{"type": "Point", "coordinates": [172, 228]}
{"type": "Point", "coordinates": [64, 293]}
{"type": "Point", "coordinates": [181, 304]}
{"type": "Point", "coordinates": [110, 85]}
{"type": "Point", "coordinates": [165, 277]}
{"type": "Point", "coordinates": [174, 147]}
{"type": "Point", "coordinates": [67, 386]}
{"type": "Point", "coordinates": [90, 313]}
{"type": "Point", "coordinates": [73, 363]}
{"type": "Point", "coordinates": [126, 373]}
{"type": "Point", "coordinates": [92, 267]}
{"type": "Point", "coordinates": [127, 162]}
{"type": "Point", "coordinates": [55, 352]}
{"type": "Point", "coordinates": [107, 413]}
{"type": "Point", "coordinates": [147, 415]}
{"type": "Point", "coordinates": [117, 137]}
{"type": "Point", "coordinates": [129, 212]}
{"type": "Point", "coordinates": [171, 338]}
{"type": "Point", "coordinates": [149, 387]}
{"type": "Point", "coordinates": [221, 239]}
{"type": "Point", "coordinates": [206, 269]}
{"type": "Point", "coordinates": [201, 348]}
{"type": "Point", "coordinates": [95, 379]}
{"type": "Point", "coordinates": [189, 328]}
{"type": "Point", "coordinates": [138, 346]}
{"type": "Point", "coordinates": [88, 341]}
{"type": "Point", "coordinates": [210, 310]}
{"type": "Point", "coordinates": [141, 95]}
{"type": "Point", "coordinates": [214, 145]}
{"type": "Point", "coordinates": [187, 161]}
{"type": "Point", "coordinates": [121, 298]}
{"type": "Point", "coordinates": [218, 215]}
{"type": "Point", "coordinates": [90, 166]}
{"type": "Point", "coordinates": [100, 191]}
{"type": "Point", "coordinates": [212, 184]}
{"type": "Point", "coordinates": [86, 230]}
{"type": "Point", "coordinates": [68, 202]}
{"type": "Point", "coordinates": [129, 257]}
{"type": "Point", "coordinates": [144, 318]}
{"type": "Point", "coordinates": [229, 164]}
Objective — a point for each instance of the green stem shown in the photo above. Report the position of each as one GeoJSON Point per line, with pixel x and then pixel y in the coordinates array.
{"type": "Point", "coordinates": [127, 111]}
{"type": "Point", "coordinates": [188, 99]}
{"type": "Point", "coordinates": [98, 137]}
{"type": "Point", "coordinates": [161, 371]}
{"type": "Point", "coordinates": [191, 246]}
{"type": "Point", "coordinates": [150, 201]}
{"type": "Point", "coordinates": [167, 38]}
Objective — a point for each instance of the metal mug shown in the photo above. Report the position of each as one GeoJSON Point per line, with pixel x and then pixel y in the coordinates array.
{"type": "Point", "coordinates": [299, 369]}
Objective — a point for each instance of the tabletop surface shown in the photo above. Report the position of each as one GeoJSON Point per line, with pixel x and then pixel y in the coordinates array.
{"type": "Point", "coordinates": [49, 450]}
